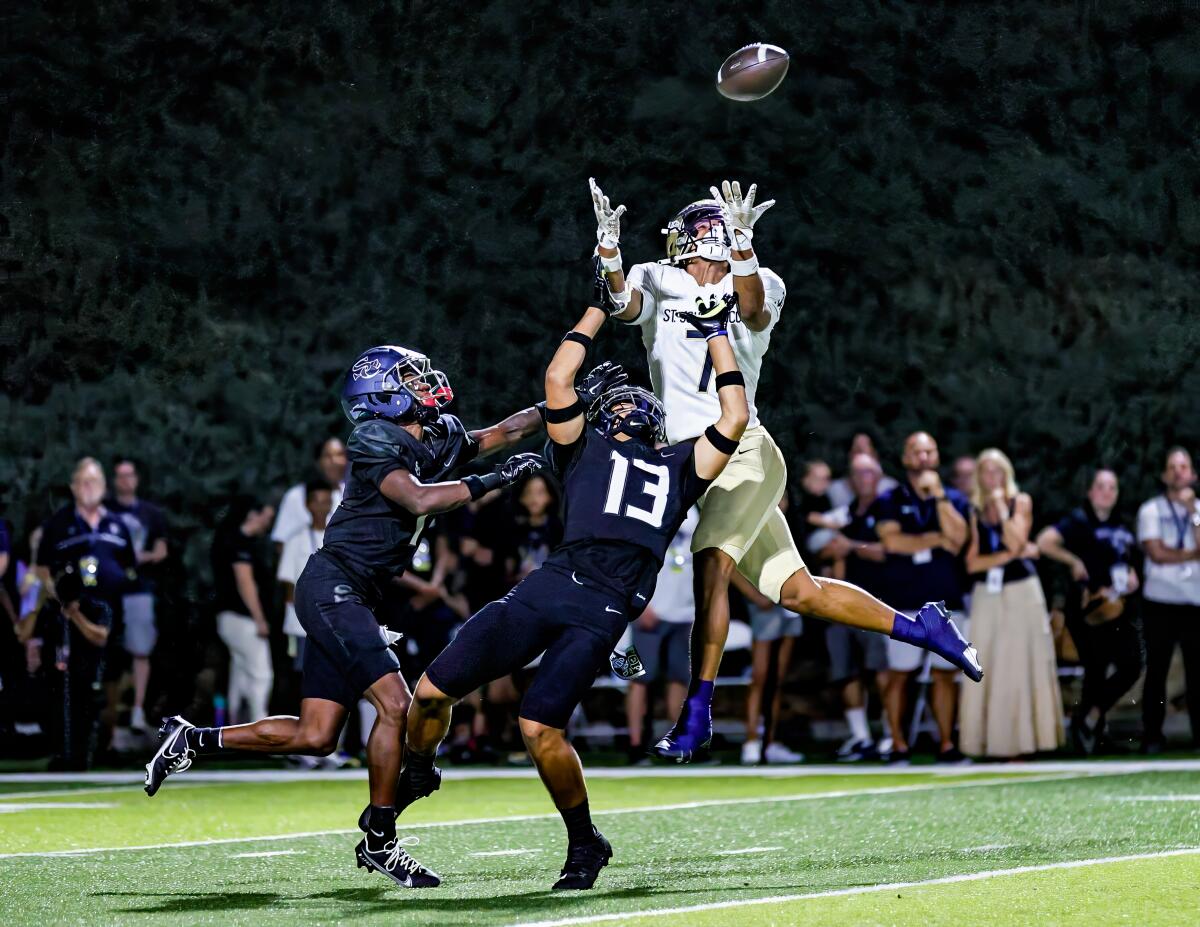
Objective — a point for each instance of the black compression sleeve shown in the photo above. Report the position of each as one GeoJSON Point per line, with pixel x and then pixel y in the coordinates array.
{"type": "Point", "coordinates": [719, 441]}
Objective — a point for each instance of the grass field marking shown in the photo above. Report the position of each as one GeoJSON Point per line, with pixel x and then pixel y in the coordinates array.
{"type": "Point", "coordinates": [858, 889]}
{"type": "Point", "coordinates": [1155, 798]}
{"type": "Point", "coordinates": [96, 790]}
{"type": "Point", "coordinates": [504, 853]}
{"type": "Point", "coordinates": [518, 818]}
{"type": "Point", "coordinates": [745, 850]}
{"type": "Point", "coordinates": [268, 853]}
{"type": "Point", "coordinates": [13, 807]}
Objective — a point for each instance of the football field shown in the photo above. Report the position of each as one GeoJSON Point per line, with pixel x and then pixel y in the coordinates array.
{"type": "Point", "coordinates": [1054, 844]}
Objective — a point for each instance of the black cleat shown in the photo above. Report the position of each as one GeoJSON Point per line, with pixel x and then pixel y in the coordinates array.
{"type": "Point", "coordinates": [173, 756]}
{"type": "Point", "coordinates": [583, 864]}
{"type": "Point", "coordinates": [393, 861]}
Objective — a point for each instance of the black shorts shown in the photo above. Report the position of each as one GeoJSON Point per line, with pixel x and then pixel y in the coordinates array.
{"type": "Point", "coordinates": [575, 621]}
{"type": "Point", "coordinates": [346, 651]}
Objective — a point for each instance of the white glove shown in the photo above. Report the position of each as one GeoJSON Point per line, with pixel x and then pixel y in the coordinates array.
{"type": "Point", "coordinates": [739, 214]}
{"type": "Point", "coordinates": [608, 220]}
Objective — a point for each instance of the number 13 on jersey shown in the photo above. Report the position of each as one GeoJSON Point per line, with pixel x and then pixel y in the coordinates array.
{"type": "Point", "coordinates": [656, 488]}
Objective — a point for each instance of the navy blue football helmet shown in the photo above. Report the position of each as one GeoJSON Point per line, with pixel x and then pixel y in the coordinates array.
{"type": "Point", "coordinates": [646, 421]}
{"type": "Point", "coordinates": [397, 384]}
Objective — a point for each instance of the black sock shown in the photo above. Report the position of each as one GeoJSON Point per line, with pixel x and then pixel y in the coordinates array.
{"type": "Point", "coordinates": [381, 824]}
{"type": "Point", "coordinates": [203, 740]}
{"type": "Point", "coordinates": [579, 824]}
{"type": "Point", "coordinates": [418, 768]}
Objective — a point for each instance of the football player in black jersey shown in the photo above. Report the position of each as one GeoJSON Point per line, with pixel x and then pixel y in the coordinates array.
{"type": "Point", "coordinates": [400, 451]}
{"type": "Point", "coordinates": [625, 497]}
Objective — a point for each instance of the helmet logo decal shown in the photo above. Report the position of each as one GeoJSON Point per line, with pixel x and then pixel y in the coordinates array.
{"type": "Point", "coordinates": [365, 368]}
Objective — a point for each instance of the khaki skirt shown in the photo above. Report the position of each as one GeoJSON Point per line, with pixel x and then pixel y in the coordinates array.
{"type": "Point", "coordinates": [1017, 708]}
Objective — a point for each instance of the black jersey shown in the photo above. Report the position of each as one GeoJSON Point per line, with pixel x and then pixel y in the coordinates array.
{"type": "Point", "coordinates": [369, 536]}
{"type": "Point", "coordinates": [623, 503]}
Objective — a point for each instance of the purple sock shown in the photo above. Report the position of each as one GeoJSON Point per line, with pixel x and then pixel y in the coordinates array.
{"type": "Point", "coordinates": [700, 694]}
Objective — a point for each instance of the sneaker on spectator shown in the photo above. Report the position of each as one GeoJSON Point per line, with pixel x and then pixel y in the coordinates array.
{"type": "Point", "coordinates": [300, 761]}
{"type": "Point", "coordinates": [781, 753]}
{"type": "Point", "coordinates": [855, 751]}
{"type": "Point", "coordinates": [953, 757]}
{"type": "Point", "coordinates": [899, 758]}
{"type": "Point", "coordinates": [137, 719]}
{"type": "Point", "coordinates": [752, 752]}
{"type": "Point", "coordinates": [122, 740]}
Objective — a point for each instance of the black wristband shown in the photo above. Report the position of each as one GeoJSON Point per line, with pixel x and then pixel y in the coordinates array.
{"type": "Point", "coordinates": [480, 486]}
{"type": "Point", "coordinates": [578, 338]}
{"type": "Point", "coordinates": [719, 441]}
{"type": "Point", "coordinates": [731, 378]}
{"type": "Point", "coordinates": [559, 416]}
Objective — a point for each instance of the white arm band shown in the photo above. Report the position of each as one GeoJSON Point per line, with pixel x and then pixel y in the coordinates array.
{"type": "Point", "coordinates": [611, 264]}
{"type": "Point", "coordinates": [746, 268]}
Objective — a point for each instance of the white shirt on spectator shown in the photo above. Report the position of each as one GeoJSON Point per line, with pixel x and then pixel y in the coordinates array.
{"type": "Point", "coordinates": [293, 514]}
{"type": "Point", "coordinates": [841, 493]}
{"type": "Point", "coordinates": [296, 551]}
{"type": "Point", "coordinates": [674, 601]}
{"type": "Point", "coordinates": [1169, 583]}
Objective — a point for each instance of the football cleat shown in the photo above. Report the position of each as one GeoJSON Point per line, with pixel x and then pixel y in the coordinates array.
{"type": "Point", "coordinates": [583, 864]}
{"type": "Point", "coordinates": [691, 736]}
{"type": "Point", "coordinates": [393, 861]}
{"type": "Point", "coordinates": [173, 756]}
{"type": "Point", "coordinates": [932, 629]}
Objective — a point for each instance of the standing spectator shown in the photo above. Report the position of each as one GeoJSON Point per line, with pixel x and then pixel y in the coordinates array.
{"type": "Point", "coordinates": [330, 463]}
{"type": "Point", "coordinates": [318, 500]}
{"type": "Point", "coordinates": [238, 564]}
{"type": "Point", "coordinates": [95, 543]}
{"type": "Point", "coordinates": [807, 519]}
{"type": "Point", "coordinates": [661, 635]}
{"type": "Point", "coordinates": [538, 527]}
{"type": "Point", "coordinates": [74, 629]}
{"type": "Point", "coordinates": [12, 652]}
{"type": "Point", "coordinates": [1168, 529]}
{"type": "Point", "coordinates": [858, 558]}
{"type": "Point", "coordinates": [841, 491]}
{"type": "Point", "coordinates": [1097, 546]}
{"type": "Point", "coordinates": [1017, 709]}
{"type": "Point", "coordinates": [963, 476]}
{"type": "Point", "coordinates": [148, 531]}
{"type": "Point", "coordinates": [923, 528]}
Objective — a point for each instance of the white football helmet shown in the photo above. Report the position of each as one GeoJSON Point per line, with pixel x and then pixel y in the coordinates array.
{"type": "Point", "coordinates": [698, 230]}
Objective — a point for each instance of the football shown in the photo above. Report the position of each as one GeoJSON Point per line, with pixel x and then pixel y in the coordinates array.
{"type": "Point", "coordinates": [752, 72]}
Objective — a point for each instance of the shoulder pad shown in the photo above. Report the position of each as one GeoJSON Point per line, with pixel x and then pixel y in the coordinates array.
{"type": "Point", "coordinates": [380, 439]}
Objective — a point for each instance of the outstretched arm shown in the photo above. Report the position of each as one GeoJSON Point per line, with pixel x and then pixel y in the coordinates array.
{"type": "Point", "coordinates": [564, 410]}
{"type": "Point", "coordinates": [404, 489]}
{"type": "Point", "coordinates": [608, 240]}
{"type": "Point", "coordinates": [740, 215]}
{"type": "Point", "coordinates": [720, 440]}
{"type": "Point", "coordinates": [513, 430]}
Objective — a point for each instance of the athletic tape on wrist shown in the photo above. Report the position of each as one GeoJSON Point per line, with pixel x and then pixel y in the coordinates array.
{"type": "Point", "coordinates": [719, 441]}
{"type": "Point", "coordinates": [559, 416]}
{"type": "Point", "coordinates": [579, 338]}
{"type": "Point", "coordinates": [731, 378]}
{"type": "Point", "coordinates": [746, 268]}
{"type": "Point", "coordinates": [611, 264]}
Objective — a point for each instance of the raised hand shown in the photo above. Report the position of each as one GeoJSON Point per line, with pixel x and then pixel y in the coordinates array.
{"type": "Point", "coordinates": [603, 297]}
{"type": "Point", "coordinates": [599, 380]}
{"type": "Point", "coordinates": [608, 220]}
{"type": "Point", "coordinates": [739, 214]}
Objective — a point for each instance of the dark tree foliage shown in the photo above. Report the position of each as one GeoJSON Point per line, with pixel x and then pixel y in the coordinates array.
{"type": "Point", "coordinates": [987, 219]}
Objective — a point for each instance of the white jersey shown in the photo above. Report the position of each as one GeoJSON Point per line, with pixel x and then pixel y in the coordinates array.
{"type": "Point", "coordinates": [680, 369]}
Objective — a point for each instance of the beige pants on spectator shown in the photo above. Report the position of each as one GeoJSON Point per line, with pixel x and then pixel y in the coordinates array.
{"type": "Point", "coordinates": [250, 672]}
{"type": "Point", "coordinates": [1017, 708]}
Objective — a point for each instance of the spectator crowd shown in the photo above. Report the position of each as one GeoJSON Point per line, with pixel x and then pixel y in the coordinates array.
{"type": "Point", "coordinates": [95, 643]}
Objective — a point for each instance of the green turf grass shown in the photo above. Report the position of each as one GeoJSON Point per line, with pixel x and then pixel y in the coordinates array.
{"type": "Point", "coordinates": [664, 859]}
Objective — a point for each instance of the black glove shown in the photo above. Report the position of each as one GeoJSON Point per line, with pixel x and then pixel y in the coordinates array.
{"type": "Point", "coordinates": [598, 381]}
{"type": "Point", "coordinates": [713, 319]}
{"type": "Point", "coordinates": [603, 298]}
{"type": "Point", "coordinates": [515, 468]}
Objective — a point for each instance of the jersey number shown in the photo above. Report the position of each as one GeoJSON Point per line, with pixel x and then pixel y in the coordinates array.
{"type": "Point", "coordinates": [706, 371]}
{"type": "Point", "coordinates": [656, 488]}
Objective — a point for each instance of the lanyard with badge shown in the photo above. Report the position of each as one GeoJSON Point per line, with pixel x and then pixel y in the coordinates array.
{"type": "Point", "coordinates": [921, 557]}
{"type": "Point", "coordinates": [1181, 526]}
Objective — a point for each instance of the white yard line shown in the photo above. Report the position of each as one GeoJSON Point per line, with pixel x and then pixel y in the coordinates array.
{"type": "Point", "coordinates": [197, 776]}
{"type": "Point", "coordinates": [857, 889]}
{"type": "Point", "coordinates": [268, 853]}
{"type": "Point", "coordinates": [1156, 798]}
{"type": "Point", "coordinates": [12, 807]}
{"type": "Point", "coordinates": [504, 852]}
{"type": "Point", "coordinates": [746, 850]}
{"type": "Point", "coordinates": [650, 809]}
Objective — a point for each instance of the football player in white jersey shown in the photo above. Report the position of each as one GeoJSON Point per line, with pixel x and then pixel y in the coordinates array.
{"type": "Point", "coordinates": [711, 268]}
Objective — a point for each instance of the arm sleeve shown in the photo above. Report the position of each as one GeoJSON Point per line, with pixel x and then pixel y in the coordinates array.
{"type": "Point", "coordinates": [1149, 525]}
{"type": "Point", "coordinates": [694, 486]}
{"type": "Point", "coordinates": [561, 456]}
{"type": "Point", "coordinates": [641, 279]}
